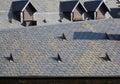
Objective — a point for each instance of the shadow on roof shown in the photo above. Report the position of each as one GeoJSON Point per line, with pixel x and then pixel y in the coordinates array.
{"type": "Point", "coordinates": [10, 14]}
{"type": "Point", "coordinates": [55, 58]}
{"type": "Point", "coordinates": [115, 12]}
{"type": "Point", "coordinates": [95, 36]}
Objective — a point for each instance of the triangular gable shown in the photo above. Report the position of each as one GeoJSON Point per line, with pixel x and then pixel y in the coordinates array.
{"type": "Point", "coordinates": [81, 5]}
{"type": "Point", "coordinates": [102, 2]}
{"type": "Point", "coordinates": [27, 5]}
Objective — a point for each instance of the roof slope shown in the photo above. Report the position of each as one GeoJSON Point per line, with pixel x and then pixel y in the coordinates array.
{"type": "Point", "coordinates": [67, 6]}
{"type": "Point", "coordinates": [21, 5]}
{"type": "Point", "coordinates": [35, 49]}
{"type": "Point", "coordinates": [18, 5]}
{"type": "Point", "coordinates": [91, 5]}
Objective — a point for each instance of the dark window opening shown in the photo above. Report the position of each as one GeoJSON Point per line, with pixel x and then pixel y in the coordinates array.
{"type": "Point", "coordinates": [30, 23]}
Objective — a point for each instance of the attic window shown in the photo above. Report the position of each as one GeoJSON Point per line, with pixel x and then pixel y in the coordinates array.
{"type": "Point", "coordinates": [106, 58]}
{"type": "Point", "coordinates": [59, 58]}
{"type": "Point", "coordinates": [63, 37]}
{"type": "Point", "coordinates": [11, 58]}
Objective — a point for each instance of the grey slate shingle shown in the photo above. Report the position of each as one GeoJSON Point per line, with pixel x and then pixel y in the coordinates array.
{"type": "Point", "coordinates": [34, 50]}
{"type": "Point", "coordinates": [91, 5]}
{"type": "Point", "coordinates": [67, 6]}
{"type": "Point", "coordinates": [18, 5]}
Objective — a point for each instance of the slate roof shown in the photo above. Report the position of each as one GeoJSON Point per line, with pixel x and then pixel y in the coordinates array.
{"type": "Point", "coordinates": [67, 6]}
{"type": "Point", "coordinates": [44, 5]}
{"type": "Point", "coordinates": [91, 5]}
{"type": "Point", "coordinates": [35, 50]}
{"type": "Point", "coordinates": [18, 5]}
{"type": "Point", "coordinates": [40, 5]}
